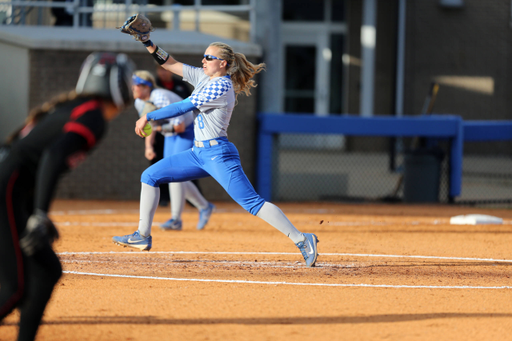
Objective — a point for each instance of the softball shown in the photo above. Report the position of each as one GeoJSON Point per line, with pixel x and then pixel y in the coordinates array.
{"type": "Point", "coordinates": [147, 129]}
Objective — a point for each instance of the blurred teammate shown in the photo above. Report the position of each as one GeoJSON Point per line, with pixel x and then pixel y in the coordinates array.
{"type": "Point", "coordinates": [167, 80]}
{"type": "Point", "coordinates": [224, 75]}
{"type": "Point", "coordinates": [55, 139]}
{"type": "Point", "coordinates": [179, 136]}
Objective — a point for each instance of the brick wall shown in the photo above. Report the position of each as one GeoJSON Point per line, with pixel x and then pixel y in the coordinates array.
{"type": "Point", "coordinates": [113, 170]}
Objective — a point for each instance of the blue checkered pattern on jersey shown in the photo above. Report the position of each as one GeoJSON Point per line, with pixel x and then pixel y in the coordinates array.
{"type": "Point", "coordinates": [160, 99]}
{"type": "Point", "coordinates": [211, 92]}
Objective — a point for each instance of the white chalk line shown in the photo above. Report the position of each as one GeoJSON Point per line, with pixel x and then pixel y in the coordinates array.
{"type": "Point", "coordinates": [333, 223]}
{"type": "Point", "coordinates": [240, 210]}
{"type": "Point", "coordinates": [224, 263]}
{"type": "Point", "coordinates": [290, 253]}
{"type": "Point", "coordinates": [128, 211]}
{"type": "Point", "coordinates": [88, 212]}
{"type": "Point", "coordinates": [69, 223]}
{"type": "Point", "coordinates": [220, 210]}
{"type": "Point", "coordinates": [289, 283]}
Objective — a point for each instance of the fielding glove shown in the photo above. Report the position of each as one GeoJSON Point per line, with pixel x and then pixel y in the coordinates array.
{"type": "Point", "coordinates": [148, 107]}
{"type": "Point", "coordinates": [138, 26]}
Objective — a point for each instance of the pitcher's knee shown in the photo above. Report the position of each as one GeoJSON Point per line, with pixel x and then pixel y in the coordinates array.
{"type": "Point", "coordinates": [254, 207]}
{"type": "Point", "coordinates": [148, 179]}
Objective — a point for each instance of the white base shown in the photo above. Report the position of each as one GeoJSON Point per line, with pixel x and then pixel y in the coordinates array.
{"type": "Point", "coordinates": [475, 219]}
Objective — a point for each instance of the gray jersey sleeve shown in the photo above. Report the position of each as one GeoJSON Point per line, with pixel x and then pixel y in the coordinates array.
{"type": "Point", "coordinates": [162, 98]}
{"type": "Point", "coordinates": [194, 75]}
{"type": "Point", "coordinates": [139, 105]}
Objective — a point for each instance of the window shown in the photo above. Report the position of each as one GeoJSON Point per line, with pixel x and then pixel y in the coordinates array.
{"type": "Point", "coordinates": [300, 80]}
{"type": "Point", "coordinates": [303, 10]}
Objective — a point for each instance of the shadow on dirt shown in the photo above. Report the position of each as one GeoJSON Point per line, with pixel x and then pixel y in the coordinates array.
{"type": "Point", "coordinates": [386, 318]}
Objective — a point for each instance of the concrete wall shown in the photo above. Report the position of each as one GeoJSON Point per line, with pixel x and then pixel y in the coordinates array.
{"type": "Point", "coordinates": [14, 87]}
{"type": "Point", "coordinates": [456, 44]}
{"type": "Point", "coordinates": [467, 51]}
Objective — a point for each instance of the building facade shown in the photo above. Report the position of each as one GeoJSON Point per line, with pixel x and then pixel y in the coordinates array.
{"type": "Point", "coordinates": [324, 57]}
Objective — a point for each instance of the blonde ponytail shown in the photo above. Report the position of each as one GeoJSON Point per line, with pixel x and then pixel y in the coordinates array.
{"type": "Point", "coordinates": [239, 68]}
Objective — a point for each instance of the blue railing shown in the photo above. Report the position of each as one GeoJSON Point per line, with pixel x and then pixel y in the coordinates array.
{"type": "Point", "coordinates": [450, 127]}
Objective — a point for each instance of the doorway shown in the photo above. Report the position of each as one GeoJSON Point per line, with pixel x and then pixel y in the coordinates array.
{"type": "Point", "coordinates": [312, 44]}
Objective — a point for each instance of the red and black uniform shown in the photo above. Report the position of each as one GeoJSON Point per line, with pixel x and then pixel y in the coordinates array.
{"type": "Point", "coordinates": [29, 174]}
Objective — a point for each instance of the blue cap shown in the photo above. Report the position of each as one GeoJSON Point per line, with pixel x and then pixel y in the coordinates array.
{"type": "Point", "coordinates": [138, 81]}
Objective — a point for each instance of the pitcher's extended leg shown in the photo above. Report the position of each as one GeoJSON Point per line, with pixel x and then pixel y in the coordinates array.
{"type": "Point", "coordinates": [230, 175]}
{"type": "Point", "coordinates": [275, 217]}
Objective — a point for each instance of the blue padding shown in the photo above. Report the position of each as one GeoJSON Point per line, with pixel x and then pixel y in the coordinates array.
{"type": "Point", "coordinates": [172, 110]}
{"type": "Point", "coordinates": [434, 126]}
{"type": "Point", "coordinates": [487, 130]}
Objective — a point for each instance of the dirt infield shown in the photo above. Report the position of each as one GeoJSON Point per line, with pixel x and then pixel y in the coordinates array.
{"type": "Point", "coordinates": [385, 272]}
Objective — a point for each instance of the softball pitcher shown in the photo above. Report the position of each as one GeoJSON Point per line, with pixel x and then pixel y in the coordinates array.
{"type": "Point", "coordinates": [224, 75]}
{"type": "Point", "coordinates": [179, 136]}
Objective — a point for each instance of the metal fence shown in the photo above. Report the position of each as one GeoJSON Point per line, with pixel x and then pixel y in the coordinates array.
{"type": "Point", "coordinates": [434, 158]}
{"type": "Point", "coordinates": [487, 174]}
{"type": "Point", "coordinates": [239, 16]}
{"type": "Point", "coordinates": [328, 168]}
{"type": "Point", "coordinates": [321, 168]}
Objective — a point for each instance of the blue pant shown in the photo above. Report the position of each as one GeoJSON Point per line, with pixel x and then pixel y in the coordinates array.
{"type": "Point", "coordinates": [221, 161]}
{"type": "Point", "coordinates": [179, 142]}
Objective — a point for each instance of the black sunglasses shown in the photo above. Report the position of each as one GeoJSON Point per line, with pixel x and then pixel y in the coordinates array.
{"type": "Point", "coordinates": [209, 57]}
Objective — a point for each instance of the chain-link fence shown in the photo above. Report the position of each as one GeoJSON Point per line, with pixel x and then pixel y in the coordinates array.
{"type": "Point", "coordinates": [487, 174]}
{"type": "Point", "coordinates": [308, 167]}
{"type": "Point", "coordinates": [343, 168]}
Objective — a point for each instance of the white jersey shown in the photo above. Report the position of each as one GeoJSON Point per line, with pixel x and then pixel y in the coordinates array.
{"type": "Point", "coordinates": [214, 100]}
{"type": "Point", "coordinates": [162, 98]}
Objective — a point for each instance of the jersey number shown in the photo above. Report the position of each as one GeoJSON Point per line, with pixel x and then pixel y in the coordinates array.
{"type": "Point", "coordinates": [200, 121]}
